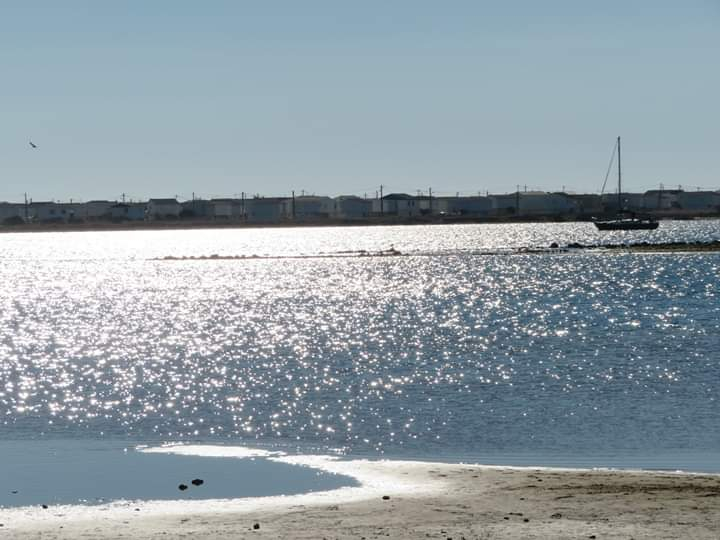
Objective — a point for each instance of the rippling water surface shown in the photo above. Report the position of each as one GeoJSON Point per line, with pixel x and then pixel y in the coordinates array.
{"type": "Point", "coordinates": [566, 358]}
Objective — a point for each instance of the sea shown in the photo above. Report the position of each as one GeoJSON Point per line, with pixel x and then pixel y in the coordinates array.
{"type": "Point", "coordinates": [464, 348]}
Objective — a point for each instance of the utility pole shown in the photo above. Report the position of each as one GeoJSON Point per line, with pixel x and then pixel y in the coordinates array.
{"type": "Point", "coordinates": [26, 207]}
{"type": "Point", "coordinates": [242, 206]}
{"type": "Point", "coordinates": [381, 200]}
{"type": "Point", "coordinates": [517, 201]}
{"type": "Point", "coordinates": [123, 198]}
{"type": "Point", "coordinates": [430, 199]}
{"type": "Point", "coordinates": [293, 205]}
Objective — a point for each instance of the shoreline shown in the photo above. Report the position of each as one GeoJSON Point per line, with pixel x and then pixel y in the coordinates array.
{"type": "Point", "coordinates": [414, 499]}
{"type": "Point", "coordinates": [198, 224]}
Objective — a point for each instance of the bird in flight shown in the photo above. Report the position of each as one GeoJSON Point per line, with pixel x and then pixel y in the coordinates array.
{"type": "Point", "coordinates": [33, 144]}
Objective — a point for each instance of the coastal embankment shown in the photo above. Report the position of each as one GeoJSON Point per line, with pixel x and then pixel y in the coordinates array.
{"type": "Point", "coordinates": [410, 500]}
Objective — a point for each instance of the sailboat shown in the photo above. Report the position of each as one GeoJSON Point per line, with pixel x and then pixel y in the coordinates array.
{"type": "Point", "coordinates": [625, 221]}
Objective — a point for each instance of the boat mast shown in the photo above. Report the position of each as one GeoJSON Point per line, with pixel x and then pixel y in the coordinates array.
{"type": "Point", "coordinates": [619, 178]}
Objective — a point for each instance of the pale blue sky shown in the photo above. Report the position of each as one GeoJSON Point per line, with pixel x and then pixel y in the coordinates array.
{"type": "Point", "coordinates": [170, 97]}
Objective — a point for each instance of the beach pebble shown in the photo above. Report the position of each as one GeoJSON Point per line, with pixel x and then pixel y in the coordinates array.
{"type": "Point", "coordinates": [45, 506]}
{"type": "Point", "coordinates": [182, 487]}
{"type": "Point", "coordinates": [386, 497]}
{"type": "Point", "coordinates": [554, 245]}
{"type": "Point", "coordinates": [556, 515]}
{"type": "Point", "coordinates": [198, 482]}
{"type": "Point", "coordinates": [256, 526]}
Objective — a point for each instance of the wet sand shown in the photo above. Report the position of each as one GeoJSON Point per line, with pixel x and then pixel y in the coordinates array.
{"type": "Point", "coordinates": [411, 500]}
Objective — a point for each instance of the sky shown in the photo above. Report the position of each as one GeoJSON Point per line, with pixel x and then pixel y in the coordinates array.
{"type": "Point", "coordinates": [175, 97]}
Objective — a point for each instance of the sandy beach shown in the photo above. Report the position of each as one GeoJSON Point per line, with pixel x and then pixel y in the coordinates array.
{"type": "Point", "coordinates": [403, 499]}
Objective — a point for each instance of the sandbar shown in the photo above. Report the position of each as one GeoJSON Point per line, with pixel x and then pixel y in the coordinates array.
{"type": "Point", "coordinates": [410, 500]}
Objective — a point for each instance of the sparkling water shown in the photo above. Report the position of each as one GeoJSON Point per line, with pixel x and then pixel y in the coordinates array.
{"type": "Point", "coordinates": [446, 352]}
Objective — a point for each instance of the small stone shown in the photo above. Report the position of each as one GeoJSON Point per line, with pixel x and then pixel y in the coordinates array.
{"type": "Point", "coordinates": [182, 487]}
{"type": "Point", "coordinates": [198, 482]}
{"type": "Point", "coordinates": [45, 506]}
{"type": "Point", "coordinates": [526, 520]}
{"type": "Point", "coordinates": [14, 491]}
{"type": "Point", "coordinates": [386, 497]}
{"type": "Point", "coordinates": [556, 515]}
{"type": "Point", "coordinates": [554, 245]}
{"type": "Point", "coordinates": [256, 526]}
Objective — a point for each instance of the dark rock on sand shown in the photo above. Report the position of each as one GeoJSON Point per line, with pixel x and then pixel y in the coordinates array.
{"type": "Point", "coordinates": [198, 482]}
{"type": "Point", "coordinates": [256, 526]}
{"type": "Point", "coordinates": [182, 487]}
{"type": "Point", "coordinates": [386, 497]}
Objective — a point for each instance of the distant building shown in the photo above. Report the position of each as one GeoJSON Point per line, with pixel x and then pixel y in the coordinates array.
{"type": "Point", "coordinates": [265, 209]}
{"type": "Point", "coordinates": [196, 208]}
{"type": "Point", "coordinates": [10, 212]}
{"type": "Point", "coordinates": [661, 199]}
{"type": "Point", "coordinates": [95, 210]}
{"type": "Point", "coordinates": [533, 203]}
{"type": "Point", "coordinates": [699, 201]}
{"type": "Point", "coordinates": [308, 207]}
{"type": "Point", "coordinates": [351, 207]}
{"type": "Point", "coordinates": [227, 209]}
{"type": "Point", "coordinates": [587, 204]}
{"type": "Point", "coordinates": [631, 202]}
{"type": "Point", "coordinates": [163, 209]}
{"type": "Point", "coordinates": [45, 212]}
{"type": "Point", "coordinates": [127, 212]}
{"type": "Point", "coordinates": [396, 205]}
{"type": "Point", "coordinates": [462, 206]}
{"type": "Point", "coordinates": [71, 211]}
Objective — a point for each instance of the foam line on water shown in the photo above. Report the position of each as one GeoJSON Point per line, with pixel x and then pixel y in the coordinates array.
{"type": "Point", "coordinates": [207, 450]}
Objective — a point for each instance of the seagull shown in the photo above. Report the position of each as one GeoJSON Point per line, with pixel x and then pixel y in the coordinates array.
{"type": "Point", "coordinates": [33, 144]}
